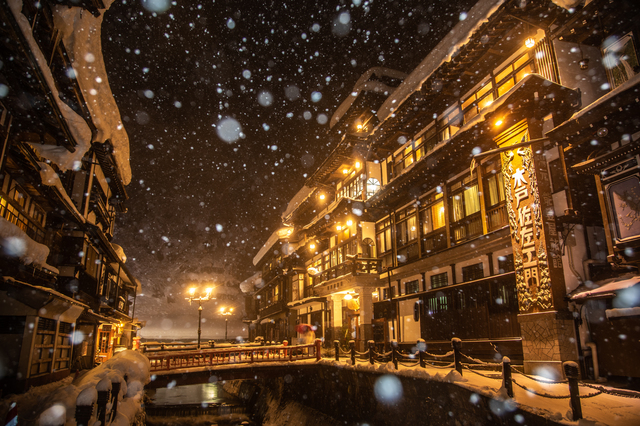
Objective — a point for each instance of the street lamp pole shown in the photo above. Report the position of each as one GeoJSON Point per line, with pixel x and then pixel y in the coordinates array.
{"type": "Point", "coordinates": [200, 299]}
{"type": "Point", "coordinates": [199, 321]}
{"type": "Point", "coordinates": [226, 312]}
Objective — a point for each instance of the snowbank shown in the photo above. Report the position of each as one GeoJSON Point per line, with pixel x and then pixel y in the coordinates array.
{"type": "Point", "coordinates": [43, 405]}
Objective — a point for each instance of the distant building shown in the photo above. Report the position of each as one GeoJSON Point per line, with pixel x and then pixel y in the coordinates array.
{"type": "Point", "coordinates": [460, 201]}
{"type": "Point", "coordinates": [67, 297]}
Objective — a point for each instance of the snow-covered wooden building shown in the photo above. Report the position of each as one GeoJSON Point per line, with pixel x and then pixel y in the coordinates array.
{"type": "Point", "coordinates": [468, 193]}
{"type": "Point", "coordinates": [66, 295]}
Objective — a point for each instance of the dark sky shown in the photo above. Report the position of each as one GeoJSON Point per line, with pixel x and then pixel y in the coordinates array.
{"type": "Point", "coordinates": [279, 69]}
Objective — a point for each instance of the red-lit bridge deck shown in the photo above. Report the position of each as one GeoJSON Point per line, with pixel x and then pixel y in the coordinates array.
{"type": "Point", "coordinates": [199, 366]}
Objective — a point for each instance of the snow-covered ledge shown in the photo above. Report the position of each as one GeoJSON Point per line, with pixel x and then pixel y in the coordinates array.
{"type": "Point", "coordinates": [79, 129]}
{"type": "Point", "coordinates": [50, 178]}
{"type": "Point", "coordinates": [16, 243]}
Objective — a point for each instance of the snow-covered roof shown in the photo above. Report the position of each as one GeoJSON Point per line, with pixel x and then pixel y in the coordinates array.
{"type": "Point", "coordinates": [50, 178]}
{"type": "Point", "coordinates": [301, 196]}
{"type": "Point", "coordinates": [120, 252]}
{"type": "Point", "coordinates": [46, 290]}
{"type": "Point", "coordinates": [271, 241]}
{"type": "Point", "coordinates": [248, 285]}
{"type": "Point", "coordinates": [448, 46]}
{"type": "Point", "coordinates": [77, 126]}
{"type": "Point", "coordinates": [364, 84]}
{"type": "Point", "coordinates": [585, 112]}
{"type": "Point", "coordinates": [605, 290]}
{"type": "Point", "coordinates": [81, 35]}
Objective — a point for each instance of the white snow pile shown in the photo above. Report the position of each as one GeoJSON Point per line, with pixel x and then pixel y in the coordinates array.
{"type": "Point", "coordinates": [47, 405]}
{"type": "Point", "coordinates": [16, 243]}
{"type": "Point", "coordinates": [79, 129]}
{"type": "Point", "coordinates": [81, 35]}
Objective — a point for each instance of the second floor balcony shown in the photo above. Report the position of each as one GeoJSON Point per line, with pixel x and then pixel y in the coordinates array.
{"type": "Point", "coordinates": [351, 267]}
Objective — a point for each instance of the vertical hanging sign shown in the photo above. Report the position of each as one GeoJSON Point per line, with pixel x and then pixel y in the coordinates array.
{"type": "Point", "coordinates": [525, 210]}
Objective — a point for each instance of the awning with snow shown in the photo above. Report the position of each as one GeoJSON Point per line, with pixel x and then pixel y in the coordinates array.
{"type": "Point", "coordinates": [306, 302]}
{"type": "Point", "coordinates": [606, 290]}
{"type": "Point", "coordinates": [46, 302]}
{"type": "Point", "coordinates": [615, 102]}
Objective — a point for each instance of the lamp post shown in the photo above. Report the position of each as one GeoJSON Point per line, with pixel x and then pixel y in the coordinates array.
{"type": "Point", "coordinates": [201, 298]}
{"type": "Point", "coordinates": [226, 312]}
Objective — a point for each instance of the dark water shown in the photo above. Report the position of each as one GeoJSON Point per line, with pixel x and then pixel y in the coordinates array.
{"type": "Point", "coordinates": [194, 405]}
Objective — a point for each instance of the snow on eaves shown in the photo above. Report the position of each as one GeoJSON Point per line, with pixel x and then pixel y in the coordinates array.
{"type": "Point", "coordinates": [16, 243]}
{"type": "Point", "coordinates": [247, 286]}
{"type": "Point", "coordinates": [50, 178]}
{"type": "Point", "coordinates": [444, 51]}
{"type": "Point", "coordinates": [365, 85]}
{"type": "Point", "coordinates": [271, 241]}
{"type": "Point", "coordinates": [81, 35]}
{"type": "Point", "coordinates": [301, 196]}
{"type": "Point", "coordinates": [567, 4]}
{"type": "Point", "coordinates": [78, 127]}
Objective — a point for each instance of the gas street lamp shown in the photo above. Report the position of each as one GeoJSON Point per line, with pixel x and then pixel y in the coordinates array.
{"type": "Point", "coordinates": [200, 298]}
{"type": "Point", "coordinates": [226, 312]}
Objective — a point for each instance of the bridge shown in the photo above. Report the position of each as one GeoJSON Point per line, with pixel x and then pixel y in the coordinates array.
{"type": "Point", "coordinates": [211, 365]}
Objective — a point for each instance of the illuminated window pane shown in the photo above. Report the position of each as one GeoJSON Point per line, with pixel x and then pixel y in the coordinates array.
{"type": "Point", "coordinates": [524, 72]}
{"type": "Point", "coordinates": [471, 200]}
{"type": "Point", "coordinates": [437, 215]}
{"type": "Point", "coordinates": [504, 74]}
{"type": "Point", "coordinates": [485, 102]}
{"type": "Point", "coordinates": [505, 87]}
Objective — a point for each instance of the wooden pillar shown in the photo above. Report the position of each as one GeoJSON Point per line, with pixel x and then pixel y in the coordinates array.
{"type": "Point", "coordinates": [548, 334]}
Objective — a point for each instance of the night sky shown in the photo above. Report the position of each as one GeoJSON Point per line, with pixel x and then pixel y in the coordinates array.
{"type": "Point", "coordinates": [184, 74]}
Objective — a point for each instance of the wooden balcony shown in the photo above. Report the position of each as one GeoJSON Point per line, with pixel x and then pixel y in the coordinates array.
{"type": "Point", "coordinates": [354, 266]}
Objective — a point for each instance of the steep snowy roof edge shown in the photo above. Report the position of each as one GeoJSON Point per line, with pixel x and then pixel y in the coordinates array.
{"type": "Point", "coordinates": [457, 37]}
{"type": "Point", "coordinates": [363, 85]}
{"type": "Point", "coordinates": [81, 35]}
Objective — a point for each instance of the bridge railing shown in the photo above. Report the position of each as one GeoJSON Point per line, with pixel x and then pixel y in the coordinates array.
{"type": "Point", "coordinates": [238, 355]}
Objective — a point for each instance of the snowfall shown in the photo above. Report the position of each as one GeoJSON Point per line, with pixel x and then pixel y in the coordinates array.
{"type": "Point", "coordinates": [54, 404]}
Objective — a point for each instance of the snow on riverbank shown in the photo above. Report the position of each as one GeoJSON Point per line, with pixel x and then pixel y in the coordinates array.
{"type": "Point", "coordinates": [45, 405]}
{"type": "Point", "coordinates": [603, 409]}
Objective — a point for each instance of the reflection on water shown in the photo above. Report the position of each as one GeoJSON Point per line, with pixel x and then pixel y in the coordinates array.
{"type": "Point", "coordinates": [205, 393]}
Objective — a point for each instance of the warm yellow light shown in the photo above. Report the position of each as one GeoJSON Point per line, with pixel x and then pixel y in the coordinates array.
{"type": "Point", "coordinates": [192, 290]}
{"type": "Point", "coordinates": [230, 309]}
{"type": "Point", "coordinates": [312, 246]}
{"type": "Point", "coordinates": [358, 164]}
{"type": "Point", "coordinates": [359, 126]}
{"type": "Point", "coordinates": [209, 290]}
{"type": "Point", "coordinates": [499, 122]}
{"type": "Point", "coordinates": [339, 227]}
{"type": "Point", "coordinates": [349, 222]}
{"type": "Point", "coordinates": [529, 42]}
{"type": "Point", "coordinates": [345, 171]}
{"type": "Point", "coordinates": [222, 309]}
{"type": "Point", "coordinates": [322, 196]}
{"type": "Point", "coordinates": [348, 296]}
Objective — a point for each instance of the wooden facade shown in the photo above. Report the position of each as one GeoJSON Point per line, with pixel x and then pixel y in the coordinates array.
{"type": "Point", "coordinates": [67, 296]}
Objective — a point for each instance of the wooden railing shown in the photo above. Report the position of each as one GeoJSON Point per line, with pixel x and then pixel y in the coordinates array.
{"type": "Point", "coordinates": [238, 355]}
